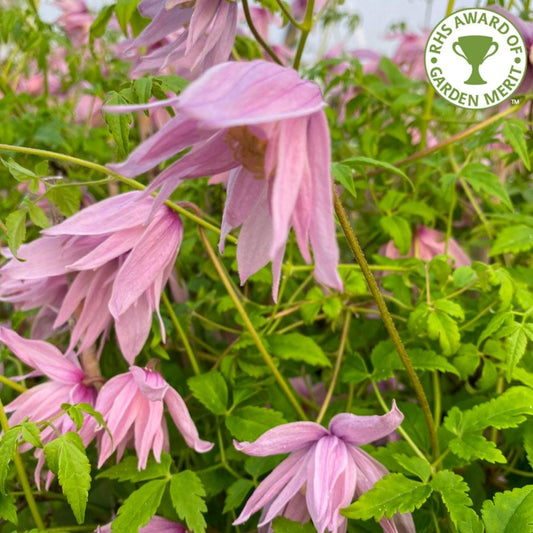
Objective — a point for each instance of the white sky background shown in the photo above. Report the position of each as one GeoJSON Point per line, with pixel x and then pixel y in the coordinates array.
{"type": "Point", "coordinates": [377, 17]}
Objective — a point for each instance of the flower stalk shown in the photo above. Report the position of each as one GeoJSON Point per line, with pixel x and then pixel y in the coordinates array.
{"type": "Point", "coordinates": [387, 319]}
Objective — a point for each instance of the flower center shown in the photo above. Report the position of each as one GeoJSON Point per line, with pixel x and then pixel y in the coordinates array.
{"type": "Point", "coordinates": [248, 149]}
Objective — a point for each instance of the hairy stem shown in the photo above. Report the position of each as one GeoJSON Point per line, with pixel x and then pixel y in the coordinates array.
{"type": "Point", "coordinates": [387, 319]}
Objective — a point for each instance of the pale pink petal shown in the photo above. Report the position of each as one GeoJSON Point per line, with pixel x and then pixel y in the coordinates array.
{"type": "Point", "coordinates": [260, 92]}
{"type": "Point", "coordinates": [283, 439]}
{"type": "Point", "coordinates": [359, 430]}
{"type": "Point", "coordinates": [42, 356]}
{"type": "Point", "coordinates": [162, 525]}
{"type": "Point", "coordinates": [322, 230]}
{"type": "Point", "coordinates": [270, 487]}
{"type": "Point", "coordinates": [157, 247]}
{"type": "Point", "coordinates": [180, 414]}
{"type": "Point", "coordinates": [150, 383]}
{"type": "Point", "coordinates": [148, 424]}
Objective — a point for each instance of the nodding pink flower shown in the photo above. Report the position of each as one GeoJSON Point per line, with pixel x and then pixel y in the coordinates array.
{"type": "Point", "coordinates": [67, 383]}
{"type": "Point", "coordinates": [116, 265]}
{"type": "Point", "coordinates": [409, 55]}
{"type": "Point", "coordinates": [324, 472]}
{"type": "Point", "coordinates": [132, 405]}
{"type": "Point", "coordinates": [202, 33]}
{"type": "Point", "coordinates": [157, 524]}
{"type": "Point", "coordinates": [427, 243]}
{"type": "Point", "coordinates": [268, 129]}
{"type": "Point", "coordinates": [75, 20]}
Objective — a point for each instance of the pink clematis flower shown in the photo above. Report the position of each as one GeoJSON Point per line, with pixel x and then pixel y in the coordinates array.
{"type": "Point", "coordinates": [198, 34]}
{"type": "Point", "coordinates": [267, 129]}
{"type": "Point", "coordinates": [68, 384]}
{"type": "Point", "coordinates": [427, 243]}
{"type": "Point", "coordinates": [116, 263]}
{"type": "Point", "coordinates": [75, 20]}
{"type": "Point", "coordinates": [323, 473]}
{"type": "Point", "coordinates": [157, 524]}
{"type": "Point", "coordinates": [132, 405]}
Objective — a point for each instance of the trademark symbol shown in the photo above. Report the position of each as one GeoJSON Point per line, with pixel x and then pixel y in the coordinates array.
{"type": "Point", "coordinates": [515, 101]}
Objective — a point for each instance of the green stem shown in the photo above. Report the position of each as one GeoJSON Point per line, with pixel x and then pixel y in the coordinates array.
{"type": "Point", "coordinates": [400, 430]}
{"type": "Point", "coordinates": [426, 117]}
{"type": "Point", "coordinates": [437, 403]}
{"type": "Point", "coordinates": [257, 35]}
{"type": "Point", "coordinates": [305, 28]}
{"type": "Point", "coordinates": [477, 209]}
{"type": "Point", "coordinates": [340, 353]}
{"type": "Point", "coordinates": [13, 384]}
{"type": "Point", "coordinates": [21, 474]}
{"type": "Point", "coordinates": [104, 170]}
{"type": "Point", "coordinates": [457, 137]}
{"type": "Point", "coordinates": [181, 333]}
{"type": "Point", "coordinates": [288, 14]}
{"type": "Point", "coordinates": [387, 319]}
{"type": "Point", "coordinates": [219, 267]}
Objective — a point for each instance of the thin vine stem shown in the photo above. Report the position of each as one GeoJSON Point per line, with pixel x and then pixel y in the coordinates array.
{"type": "Point", "coordinates": [104, 170]}
{"type": "Point", "coordinates": [21, 474]}
{"type": "Point", "coordinates": [223, 275]}
{"type": "Point", "coordinates": [12, 384]}
{"type": "Point", "coordinates": [388, 321]}
{"type": "Point", "coordinates": [336, 370]}
{"type": "Point", "coordinates": [181, 333]}
{"type": "Point", "coordinates": [288, 14]}
{"type": "Point", "coordinates": [266, 47]}
{"type": "Point", "coordinates": [305, 28]}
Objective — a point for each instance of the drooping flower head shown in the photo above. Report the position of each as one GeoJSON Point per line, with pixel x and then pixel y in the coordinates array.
{"type": "Point", "coordinates": [67, 383]}
{"type": "Point", "coordinates": [132, 405]}
{"type": "Point", "coordinates": [115, 263]}
{"type": "Point", "coordinates": [427, 243]}
{"type": "Point", "coordinates": [157, 524]}
{"type": "Point", "coordinates": [324, 472]}
{"type": "Point", "coordinates": [195, 34]}
{"type": "Point", "coordinates": [265, 126]}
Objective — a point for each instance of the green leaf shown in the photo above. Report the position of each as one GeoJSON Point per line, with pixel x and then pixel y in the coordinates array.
{"type": "Point", "coordinates": [284, 525]}
{"type": "Point", "coordinates": [513, 239]}
{"type": "Point", "coordinates": [31, 434]}
{"type": "Point", "coordinates": [211, 390]}
{"type": "Point", "coordinates": [444, 328]}
{"type": "Point", "coordinates": [142, 87]}
{"type": "Point", "coordinates": [360, 161]}
{"type": "Point", "coordinates": [414, 465]}
{"type": "Point", "coordinates": [67, 199]}
{"type": "Point", "coordinates": [139, 507]}
{"type": "Point", "coordinates": [420, 209]}
{"type": "Point", "coordinates": [236, 493]}
{"type": "Point", "coordinates": [119, 124]}
{"type": "Point", "coordinates": [391, 494]}
{"type": "Point", "coordinates": [249, 423]}
{"type": "Point", "coordinates": [8, 508]}
{"type": "Point", "coordinates": [514, 133]}
{"type": "Point", "coordinates": [19, 172]}
{"type": "Point", "coordinates": [450, 308]}
{"type": "Point", "coordinates": [429, 360]}
{"type": "Point", "coordinates": [475, 446]}
{"type": "Point", "coordinates": [16, 229]}
{"type": "Point", "coordinates": [127, 469]}
{"type": "Point", "coordinates": [99, 24]}
{"type": "Point", "coordinates": [297, 347]}
{"type": "Point", "coordinates": [343, 174]}
{"type": "Point", "coordinates": [38, 216]}
{"type": "Point", "coordinates": [187, 493]}
{"type": "Point", "coordinates": [124, 10]}
{"type": "Point", "coordinates": [516, 348]}
{"type": "Point", "coordinates": [463, 275]}
{"type": "Point", "coordinates": [454, 493]}
{"type": "Point", "coordinates": [496, 322]}
{"type": "Point", "coordinates": [399, 230]}
{"type": "Point", "coordinates": [511, 511]}
{"type": "Point", "coordinates": [172, 83]}
{"type": "Point", "coordinates": [66, 457]}
{"type": "Point", "coordinates": [8, 446]}
{"type": "Point", "coordinates": [482, 180]}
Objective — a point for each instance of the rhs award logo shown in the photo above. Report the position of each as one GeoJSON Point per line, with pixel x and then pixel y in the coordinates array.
{"type": "Point", "coordinates": [475, 58]}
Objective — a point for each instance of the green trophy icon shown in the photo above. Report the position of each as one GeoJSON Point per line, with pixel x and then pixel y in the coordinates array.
{"type": "Point", "coordinates": [475, 49]}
